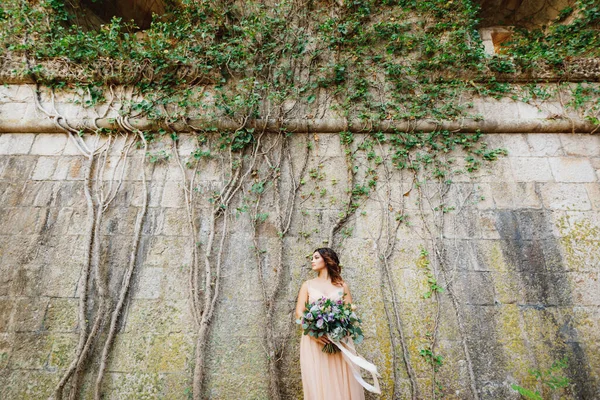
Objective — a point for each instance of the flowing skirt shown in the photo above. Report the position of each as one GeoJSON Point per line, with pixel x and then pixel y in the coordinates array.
{"type": "Point", "coordinates": [326, 376]}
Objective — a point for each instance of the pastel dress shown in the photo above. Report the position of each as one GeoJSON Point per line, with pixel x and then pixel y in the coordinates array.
{"type": "Point", "coordinates": [326, 376]}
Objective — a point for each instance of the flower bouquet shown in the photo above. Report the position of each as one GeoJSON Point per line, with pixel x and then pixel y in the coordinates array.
{"type": "Point", "coordinates": [334, 319]}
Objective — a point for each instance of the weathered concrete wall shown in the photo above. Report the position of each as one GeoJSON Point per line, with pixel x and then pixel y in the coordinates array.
{"type": "Point", "coordinates": [522, 250]}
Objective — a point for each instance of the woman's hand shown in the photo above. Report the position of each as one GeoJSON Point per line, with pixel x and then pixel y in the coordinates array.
{"type": "Point", "coordinates": [323, 339]}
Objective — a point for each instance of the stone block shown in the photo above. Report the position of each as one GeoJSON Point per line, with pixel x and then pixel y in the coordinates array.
{"type": "Point", "coordinates": [29, 314]}
{"type": "Point", "coordinates": [18, 168]}
{"type": "Point", "coordinates": [586, 320]}
{"type": "Point", "coordinates": [175, 222]}
{"type": "Point", "coordinates": [593, 191]}
{"type": "Point", "coordinates": [531, 169]}
{"type": "Point", "coordinates": [171, 353]}
{"type": "Point", "coordinates": [483, 197]}
{"type": "Point", "coordinates": [71, 194]}
{"type": "Point", "coordinates": [173, 195]}
{"type": "Point", "coordinates": [70, 168]}
{"type": "Point", "coordinates": [498, 171]}
{"type": "Point", "coordinates": [62, 277]}
{"type": "Point", "coordinates": [134, 385]}
{"type": "Point", "coordinates": [516, 145]}
{"type": "Point", "coordinates": [570, 169]}
{"type": "Point", "coordinates": [61, 315]}
{"type": "Point", "coordinates": [46, 144]}
{"type": "Point", "coordinates": [461, 225]}
{"type": "Point", "coordinates": [149, 282]}
{"type": "Point", "coordinates": [542, 289]}
{"type": "Point", "coordinates": [565, 196]}
{"type": "Point", "coordinates": [541, 324]}
{"type": "Point", "coordinates": [6, 311]}
{"type": "Point", "coordinates": [44, 169]}
{"type": "Point", "coordinates": [12, 193]}
{"type": "Point", "coordinates": [16, 143]}
{"type": "Point", "coordinates": [369, 220]}
{"type": "Point", "coordinates": [243, 371]}
{"type": "Point", "coordinates": [39, 193]}
{"type": "Point", "coordinates": [62, 351]}
{"type": "Point", "coordinates": [487, 223]}
{"type": "Point", "coordinates": [475, 288]}
{"type": "Point", "coordinates": [158, 316]}
{"type": "Point", "coordinates": [79, 222]}
{"type": "Point", "coordinates": [128, 353]}
{"type": "Point", "coordinates": [27, 280]}
{"type": "Point", "coordinates": [20, 93]}
{"type": "Point", "coordinates": [586, 288]}
{"type": "Point", "coordinates": [30, 351]}
{"type": "Point", "coordinates": [507, 288]}
{"type": "Point", "coordinates": [120, 221]}
{"type": "Point", "coordinates": [544, 145]}
{"type": "Point", "coordinates": [159, 172]}
{"type": "Point", "coordinates": [154, 221]}
{"type": "Point", "coordinates": [175, 283]}
{"type": "Point", "coordinates": [529, 111]}
{"type": "Point", "coordinates": [581, 145]}
{"type": "Point", "coordinates": [6, 277]}
{"type": "Point", "coordinates": [5, 349]}
{"type": "Point", "coordinates": [174, 172]}
{"type": "Point", "coordinates": [515, 195]}
{"type": "Point", "coordinates": [133, 167]}
{"type": "Point", "coordinates": [28, 384]}
{"type": "Point", "coordinates": [328, 146]}
{"type": "Point", "coordinates": [165, 251]}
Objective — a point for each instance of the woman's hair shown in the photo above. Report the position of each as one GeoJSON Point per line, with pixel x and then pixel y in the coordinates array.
{"type": "Point", "coordinates": [332, 263]}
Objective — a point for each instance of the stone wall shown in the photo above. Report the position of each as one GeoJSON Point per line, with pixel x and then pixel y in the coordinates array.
{"type": "Point", "coordinates": [521, 250]}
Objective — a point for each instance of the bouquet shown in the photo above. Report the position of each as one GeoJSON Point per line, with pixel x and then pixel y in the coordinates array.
{"type": "Point", "coordinates": [334, 319]}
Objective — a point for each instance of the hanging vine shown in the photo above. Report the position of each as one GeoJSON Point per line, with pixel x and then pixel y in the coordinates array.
{"type": "Point", "coordinates": [254, 66]}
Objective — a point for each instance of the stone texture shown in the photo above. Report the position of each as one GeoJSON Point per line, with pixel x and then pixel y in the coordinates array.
{"type": "Point", "coordinates": [545, 145]}
{"type": "Point", "coordinates": [49, 144]}
{"type": "Point", "coordinates": [581, 145]}
{"type": "Point", "coordinates": [516, 195]}
{"type": "Point", "coordinates": [15, 143]}
{"type": "Point", "coordinates": [44, 168]}
{"type": "Point", "coordinates": [531, 169]}
{"type": "Point", "coordinates": [565, 196]}
{"type": "Point", "coordinates": [518, 243]}
{"type": "Point", "coordinates": [566, 169]}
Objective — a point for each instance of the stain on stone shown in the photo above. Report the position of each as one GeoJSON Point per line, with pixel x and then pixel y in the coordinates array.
{"type": "Point", "coordinates": [528, 245]}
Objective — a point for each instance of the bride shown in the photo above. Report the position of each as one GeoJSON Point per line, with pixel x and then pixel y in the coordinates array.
{"type": "Point", "coordinates": [326, 376]}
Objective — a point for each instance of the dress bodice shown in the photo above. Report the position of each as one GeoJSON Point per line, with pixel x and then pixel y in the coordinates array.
{"type": "Point", "coordinates": [315, 294]}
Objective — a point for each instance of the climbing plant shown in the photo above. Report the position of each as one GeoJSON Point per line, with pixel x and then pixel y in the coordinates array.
{"type": "Point", "coordinates": [244, 69]}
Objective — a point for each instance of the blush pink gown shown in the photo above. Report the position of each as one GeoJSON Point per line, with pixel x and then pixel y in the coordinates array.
{"type": "Point", "coordinates": [326, 376]}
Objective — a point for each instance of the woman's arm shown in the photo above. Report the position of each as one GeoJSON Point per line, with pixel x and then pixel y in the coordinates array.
{"type": "Point", "coordinates": [301, 305]}
{"type": "Point", "coordinates": [348, 296]}
{"type": "Point", "coordinates": [301, 302]}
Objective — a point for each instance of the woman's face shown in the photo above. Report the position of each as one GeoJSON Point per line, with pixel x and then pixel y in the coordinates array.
{"type": "Point", "coordinates": [317, 262]}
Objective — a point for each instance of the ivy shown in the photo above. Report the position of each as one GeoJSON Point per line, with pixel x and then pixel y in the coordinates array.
{"type": "Point", "coordinates": [390, 60]}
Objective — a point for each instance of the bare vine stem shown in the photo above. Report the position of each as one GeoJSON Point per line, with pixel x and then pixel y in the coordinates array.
{"type": "Point", "coordinates": [384, 257]}
{"type": "Point", "coordinates": [439, 249]}
{"type": "Point", "coordinates": [126, 283]}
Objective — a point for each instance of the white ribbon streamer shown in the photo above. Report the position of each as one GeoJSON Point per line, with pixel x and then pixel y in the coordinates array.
{"type": "Point", "coordinates": [355, 362]}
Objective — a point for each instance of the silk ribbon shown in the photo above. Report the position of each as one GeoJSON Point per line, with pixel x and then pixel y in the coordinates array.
{"type": "Point", "coordinates": [356, 362]}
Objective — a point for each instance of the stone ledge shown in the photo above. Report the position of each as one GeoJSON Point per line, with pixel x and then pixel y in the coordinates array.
{"type": "Point", "coordinates": [47, 125]}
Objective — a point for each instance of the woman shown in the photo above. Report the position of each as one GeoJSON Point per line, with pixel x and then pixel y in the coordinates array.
{"type": "Point", "coordinates": [325, 376]}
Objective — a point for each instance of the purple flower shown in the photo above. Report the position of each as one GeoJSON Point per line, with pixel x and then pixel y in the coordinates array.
{"type": "Point", "coordinates": [320, 323]}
